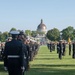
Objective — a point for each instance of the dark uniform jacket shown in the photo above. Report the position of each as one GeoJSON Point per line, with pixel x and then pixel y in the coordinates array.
{"type": "Point", "coordinates": [73, 55]}
{"type": "Point", "coordinates": [60, 47]}
{"type": "Point", "coordinates": [14, 54]}
{"type": "Point", "coordinates": [26, 54]}
{"type": "Point", "coordinates": [73, 47]}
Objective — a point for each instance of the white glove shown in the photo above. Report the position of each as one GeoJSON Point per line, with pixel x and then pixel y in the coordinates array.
{"type": "Point", "coordinates": [23, 68]}
{"type": "Point", "coordinates": [5, 68]}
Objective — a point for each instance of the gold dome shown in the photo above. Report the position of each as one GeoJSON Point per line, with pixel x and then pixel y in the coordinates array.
{"type": "Point", "coordinates": [41, 27]}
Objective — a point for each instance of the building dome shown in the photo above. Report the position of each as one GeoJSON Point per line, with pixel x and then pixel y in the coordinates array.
{"type": "Point", "coordinates": [42, 27]}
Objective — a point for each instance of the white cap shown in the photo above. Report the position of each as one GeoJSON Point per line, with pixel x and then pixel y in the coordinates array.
{"type": "Point", "coordinates": [14, 32]}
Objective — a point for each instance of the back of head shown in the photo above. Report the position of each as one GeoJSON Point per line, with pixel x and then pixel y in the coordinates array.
{"type": "Point", "coordinates": [21, 33]}
{"type": "Point", "coordinates": [21, 36]}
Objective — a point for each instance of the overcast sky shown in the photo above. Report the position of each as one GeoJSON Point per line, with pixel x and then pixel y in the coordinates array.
{"type": "Point", "coordinates": [27, 14]}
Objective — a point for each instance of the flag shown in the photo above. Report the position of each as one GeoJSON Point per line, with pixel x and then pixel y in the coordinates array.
{"type": "Point", "coordinates": [69, 40]}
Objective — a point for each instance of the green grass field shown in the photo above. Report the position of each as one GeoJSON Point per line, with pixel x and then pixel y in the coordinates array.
{"type": "Point", "coordinates": [46, 63]}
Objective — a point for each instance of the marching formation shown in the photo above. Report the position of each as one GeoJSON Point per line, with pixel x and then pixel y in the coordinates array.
{"type": "Point", "coordinates": [61, 48]}
{"type": "Point", "coordinates": [17, 53]}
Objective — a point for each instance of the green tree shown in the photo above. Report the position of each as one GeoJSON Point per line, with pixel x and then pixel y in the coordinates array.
{"type": "Point", "coordinates": [0, 35]}
{"type": "Point", "coordinates": [74, 34]}
{"type": "Point", "coordinates": [28, 32]}
{"type": "Point", "coordinates": [34, 33]}
{"type": "Point", "coordinates": [4, 36]}
{"type": "Point", "coordinates": [53, 34]}
{"type": "Point", "coordinates": [12, 29]}
{"type": "Point", "coordinates": [68, 32]}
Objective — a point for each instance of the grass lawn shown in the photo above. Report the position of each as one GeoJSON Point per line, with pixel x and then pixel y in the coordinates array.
{"type": "Point", "coordinates": [46, 63]}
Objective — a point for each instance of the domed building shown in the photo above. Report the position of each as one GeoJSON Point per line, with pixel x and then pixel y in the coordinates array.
{"type": "Point", "coordinates": [42, 27]}
{"type": "Point", "coordinates": [42, 30]}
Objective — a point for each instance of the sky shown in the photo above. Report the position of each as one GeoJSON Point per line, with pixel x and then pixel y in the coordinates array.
{"type": "Point", "coordinates": [27, 14]}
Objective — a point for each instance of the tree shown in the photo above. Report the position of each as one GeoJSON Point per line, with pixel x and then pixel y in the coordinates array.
{"type": "Point", "coordinates": [74, 34]}
{"type": "Point", "coordinates": [27, 32]}
{"type": "Point", "coordinates": [4, 36]}
{"type": "Point", "coordinates": [53, 34]}
{"type": "Point", "coordinates": [68, 32]}
{"type": "Point", "coordinates": [12, 29]}
{"type": "Point", "coordinates": [0, 35]}
{"type": "Point", "coordinates": [34, 33]}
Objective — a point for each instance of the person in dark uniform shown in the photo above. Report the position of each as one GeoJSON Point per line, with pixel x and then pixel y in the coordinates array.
{"type": "Point", "coordinates": [31, 51]}
{"type": "Point", "coordinates": [64, 48]}
{"type": "Point", "coordinates": [60, 49]}
{"type": "Point", "coordinates": [36, 48]}
{"type": "Point", "coordinates": [28, 51]}
{"type": "Point", "coordinates": [69, 48]}
{"type": "Point", "coordinates": [14, 55]}
{"type": "Point", "coordinates": [57, 47]}
{"type": "Point", "coordinates": [73, 55]}
{"type": "Point", "coordinates": [50, 46]}
{"type": "Point", "coordinates": [53, 46]}
{"type": "Point", "coordinates": [22, 38]}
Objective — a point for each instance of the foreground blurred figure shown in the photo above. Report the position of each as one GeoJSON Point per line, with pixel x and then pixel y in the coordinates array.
{"type": "Point", "coordinates": [14, 55]}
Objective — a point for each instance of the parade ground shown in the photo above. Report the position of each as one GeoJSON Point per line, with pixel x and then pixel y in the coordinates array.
{"type": "Point", "coordinates": [48, 63]}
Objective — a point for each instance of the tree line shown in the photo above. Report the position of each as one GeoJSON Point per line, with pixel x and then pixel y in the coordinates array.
{"type": "Point", "coordinates": [52, 34]}
{"type": "Point", "coordinates": [5, 35]}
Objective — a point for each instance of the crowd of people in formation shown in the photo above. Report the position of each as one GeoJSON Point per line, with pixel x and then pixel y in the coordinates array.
{"type": "Point", "coordinates": [2, 44]}
{"type": "Point", "coordinates": [17, 52]}
{"type": "Point", "coordinates": [61, 48]}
